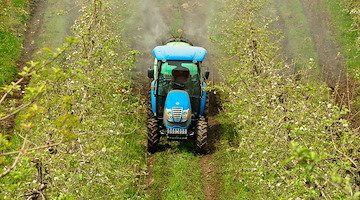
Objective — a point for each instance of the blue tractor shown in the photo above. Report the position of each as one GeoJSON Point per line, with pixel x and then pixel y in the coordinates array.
{"type": "Point", "coordinates": [178, 97]}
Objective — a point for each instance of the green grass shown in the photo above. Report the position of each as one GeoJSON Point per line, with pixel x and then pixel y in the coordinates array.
{"type": "Point", "coordinates": [19, 3]}
{"type": "Point", "coordinates": [233, 183]}
{"type": "Point", "coordinates": [13, 15]}
{"type": "Point", "coordinates": [345, 33]}
{"type": "Point", "coordinates": [177, 174]}
{"type": "Point", "coordinates": [10, 52]}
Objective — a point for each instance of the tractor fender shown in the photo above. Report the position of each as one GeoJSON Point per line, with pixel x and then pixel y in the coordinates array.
{"type": "Point", "coordinates": [153, 97]}
{"type": "Point", "coordinates": [203, 99]}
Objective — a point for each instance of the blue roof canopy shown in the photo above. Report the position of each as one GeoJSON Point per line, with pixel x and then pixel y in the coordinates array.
{"type": "Point", "coordinates": [179, 53]}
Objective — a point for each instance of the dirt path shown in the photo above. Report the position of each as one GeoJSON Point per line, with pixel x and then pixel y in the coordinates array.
{"type": "Point", "coordinates": [208, 173]}
{"type": "Point", "coordinates": [211, 180]}
{"type": "Point", "coordinates": [149, 178]}
{"type": "Point", "coordinates": [33, 30]}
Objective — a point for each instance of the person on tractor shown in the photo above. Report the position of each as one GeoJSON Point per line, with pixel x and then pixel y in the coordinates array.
{"type": "Point", "coordinates": [180, 76]}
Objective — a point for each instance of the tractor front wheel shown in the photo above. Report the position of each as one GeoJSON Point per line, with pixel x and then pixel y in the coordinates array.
{"type": "Point", "coordinates": [153, 133]}
{"type": "Point", "coordinates": [201, 138]}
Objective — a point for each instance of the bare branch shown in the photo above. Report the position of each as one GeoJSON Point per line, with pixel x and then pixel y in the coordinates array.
{"type": "Point", "coordinates": [16, 160]}
{"type": "Point", "coordinates": [8, 92]}
{"type": "Point", "coordinates": [321, 190]}
{"type": "Point", "coordinates": [340, 152]}
{"type": "Point", "coordinates": [20, 108]}
{"type": "Point", "coordinates": [333, 184]}
{"type": "Point", "coordinates": [33, 149]}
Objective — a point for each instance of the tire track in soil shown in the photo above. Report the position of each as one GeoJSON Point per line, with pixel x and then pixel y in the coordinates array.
{"type": "Point", "coordinates": [209, 174]}
{"type": "Point", "coordinates": [149, 178]}
{"type": "Point", "coordinates": [34, 28]}
{"type": "Point", "coordinates": [209, 186]}
{"type": "Point", "coordinates": [197, 19]}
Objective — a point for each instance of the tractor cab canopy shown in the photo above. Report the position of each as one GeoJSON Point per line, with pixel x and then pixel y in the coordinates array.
{"type": "Point", "coordinates": [190, 53]}
{"type": "Point", "coordinates": [185, 73]}
{"type": "Point", "coordinates": [178, 66]}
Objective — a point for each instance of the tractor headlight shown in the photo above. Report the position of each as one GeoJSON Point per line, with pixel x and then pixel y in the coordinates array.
{"type": "Point", "coordinates": [185, 115]}
{"type": "Point", "coordinates": [168, 114]}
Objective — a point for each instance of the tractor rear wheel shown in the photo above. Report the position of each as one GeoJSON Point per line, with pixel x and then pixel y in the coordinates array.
{"type": "Point", "coordinates": [153, 134]}
{"type": "Point", "coordinates": [201, 138]}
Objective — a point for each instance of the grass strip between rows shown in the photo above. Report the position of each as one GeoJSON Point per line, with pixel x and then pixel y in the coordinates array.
{"type": "Point", "coordinates": [177, 174]}
{"type": "Point", "coordinates": [13, 16]}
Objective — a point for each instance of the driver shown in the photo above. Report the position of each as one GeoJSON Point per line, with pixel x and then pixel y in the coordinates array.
{"type": "Point", "coordinates": [180, 75]}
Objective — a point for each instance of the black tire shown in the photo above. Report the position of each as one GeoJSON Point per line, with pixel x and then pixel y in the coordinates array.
{"type": "Point", "coordinates": [148, 105]}
{"type": "Point", "coordinates": [201, 138]}
{"type": "Point", "coordinates": [153, 134]}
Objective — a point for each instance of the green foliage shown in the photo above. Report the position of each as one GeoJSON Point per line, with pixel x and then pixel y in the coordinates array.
{"type": "Point", "coordinates": [283, 136]}
{"type": "Point", "coordinates": [353, 9]}
{"type": "Point", "coordinates": [346, 17]}
{"type": "Point", "coordinates": [81, 100]}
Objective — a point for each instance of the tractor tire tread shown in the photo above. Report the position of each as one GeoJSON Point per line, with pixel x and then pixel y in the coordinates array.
{"type": "Point", "coordinates": [201, 138]}
{"type": "Point", "coordinates": [153, 138]}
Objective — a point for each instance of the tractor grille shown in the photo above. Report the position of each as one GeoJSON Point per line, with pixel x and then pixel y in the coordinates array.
{"type": "Point", "coordinates": [176, 134]}
{"type": "Point", "coordinates": [177, 112]}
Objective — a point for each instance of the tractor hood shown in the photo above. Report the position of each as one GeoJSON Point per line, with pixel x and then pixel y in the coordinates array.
{"type": "Point", "coordinates": [177, 108]}
{"type": "Point", "coordinates": [178, 98]}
